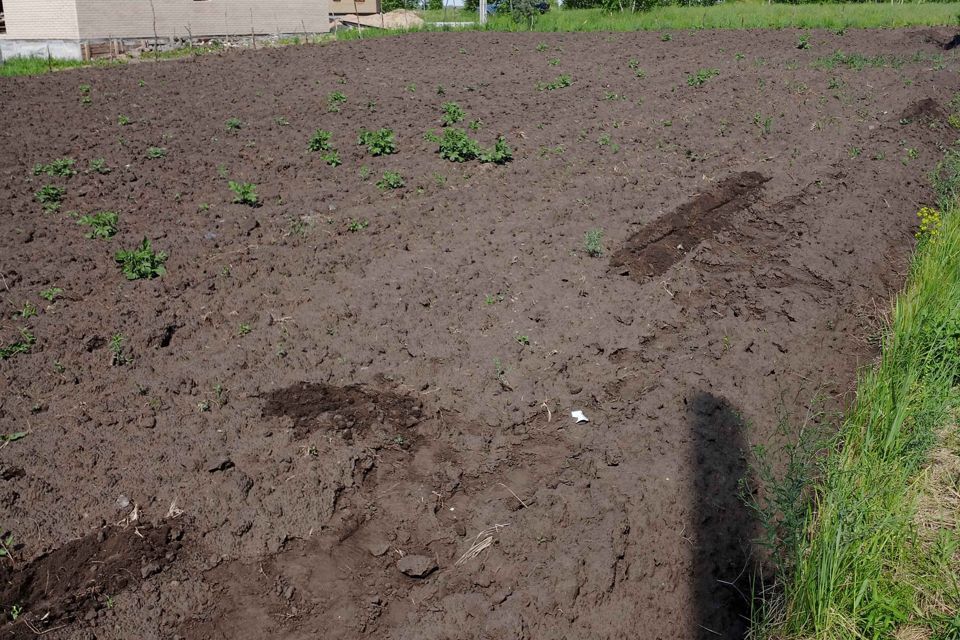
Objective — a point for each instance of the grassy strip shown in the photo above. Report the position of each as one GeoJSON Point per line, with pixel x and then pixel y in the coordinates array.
{"type": "Point", "coordinates": [36, 66]}
{"type": "Point", "coordinates": [864, 564]}
{"type": "Point", "coordinates": [729, 15]}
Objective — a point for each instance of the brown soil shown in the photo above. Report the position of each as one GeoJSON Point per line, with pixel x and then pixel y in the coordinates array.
{"type": "Point", "coordinates": [404, 390]}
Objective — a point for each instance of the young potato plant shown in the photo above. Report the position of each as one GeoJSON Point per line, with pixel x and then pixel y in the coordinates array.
{"type": "Point", "coordinates": [244, 193]}
{"type": "Point", "coordinates": [452, 113]}
{"type": "Point", "coordinates": [234, 124]}
{"type": "Point", "coordinates": [456, 145]}
{"type": "Point", "coordinates": [142, 262]}
{"type": "Point", "coordinates": [390, 180]}
{"type": "Point", "coordinates": [561, 81]}
{"type": "Point", "coordinates": [320, 143]}
{"type": "Point", "coordinates": [379, 143]}
{"type": "Point", "coordinates": [700, 78]}
{"type": "Point", "coordinates": [50, 196]}
{"type": "Point", "coordinates": [62, 167]}
{"type": "Point", "coordinates": [23, 345]}
{"type": "Point", "coordinates": [102, 225]}
{"type": "Point", "coordinates": [335, 100]}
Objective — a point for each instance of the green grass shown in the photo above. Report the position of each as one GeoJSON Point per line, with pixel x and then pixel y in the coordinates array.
{"type": "Point", "coordinates": [746, 15]}
{"type": "Point", "coordinates": [866, 561]}
{"type": "Point", "coordinates": [36, 66]}
{"type": "Point", "coordinates": [730, 15]}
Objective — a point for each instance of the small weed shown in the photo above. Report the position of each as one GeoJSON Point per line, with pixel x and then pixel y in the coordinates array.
{"type": "Point", "coordinates": [364, 172]}
{"type": "Point", "coordinates": [855, 152]}
{"type": "Point", "coordinates": [155, 153]}
{"type": "Point", "coordinates": [666, 37]}
{"type": "Point", "coordinates": [804, 41]}
{"type": "Point", "coordinates": [542, 46]}
{"type": "Point", "coordinates": [610, 95]}
{"type": "Point", "coordinates": [412, 87]}
{"type": "Point", "coordinates": [123, 120]}
{"type": "Point", "coordinates": [102, 225]}
{"type": "Point", "coordinates": [234, 124]}
{"type": "Point", "coordinates": [117, 357]}
{"type": "Point", "coordinates": [62, 167]}
{"type": "Point", "coordinates": [524, 340]}
{"type": "Point", "coordinates": [336, 100]}
{"type": "Point", "coordinates": [553, 62]}
{"type": "Point", "coordinates": [244, 193]}
{"type": "Point", "coordinates": [378, 143]}
{"type": "Point", "coordinates": [142, 262]}
{"type": "Point", "coordinates": [390, 180]}
{"type": "Point", "coordinates": [593, 243]}
{"type": "Point", "coordinates": [244, 329]}
{"type": "Point", "coordinates": [15, 612]}
{"type": "Point", "coordinates": [50, 196]}
{"type": "Point", "coordinates": [701, 76]}
{"type": "Point", "coordinates": [764, 124]}
{"type": "Point", "coordinates": [23, 345]}
{"type": "Point", "coordinates": [51, 293]}
{"type": "Point", "coordinates": [930, 223]}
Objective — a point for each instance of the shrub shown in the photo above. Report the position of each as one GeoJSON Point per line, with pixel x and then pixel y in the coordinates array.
{"type": "Point", "coordinates": [142, 262]}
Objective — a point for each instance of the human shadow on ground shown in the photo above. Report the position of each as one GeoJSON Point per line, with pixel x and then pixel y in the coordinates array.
{"type": "Point", "coordinates": [724, 526]}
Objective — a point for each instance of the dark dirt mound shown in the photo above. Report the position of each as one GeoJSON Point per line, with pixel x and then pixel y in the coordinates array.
{"type": "Point", "coordinates": [660, 245]}
{"type": "Point", "coordinates": [446, 329]}
{"type": "Point", "coordinates": [81, 577]}
{"type": "Point", "coordinates": [353, 408]}
{"type": "Point", "coordinates": [924, 111]}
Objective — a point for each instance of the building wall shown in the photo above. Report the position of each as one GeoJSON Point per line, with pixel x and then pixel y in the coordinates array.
{"type": "Point", "coordinates": [41, 19]}
{"type": "Point", "coordinates": [361, 7]}
{"type": "Point", "coordinates": [135, 18]}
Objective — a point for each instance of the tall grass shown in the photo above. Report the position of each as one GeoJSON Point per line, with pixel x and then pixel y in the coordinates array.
{"type": "Point", "coordinates": [862, 568]}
